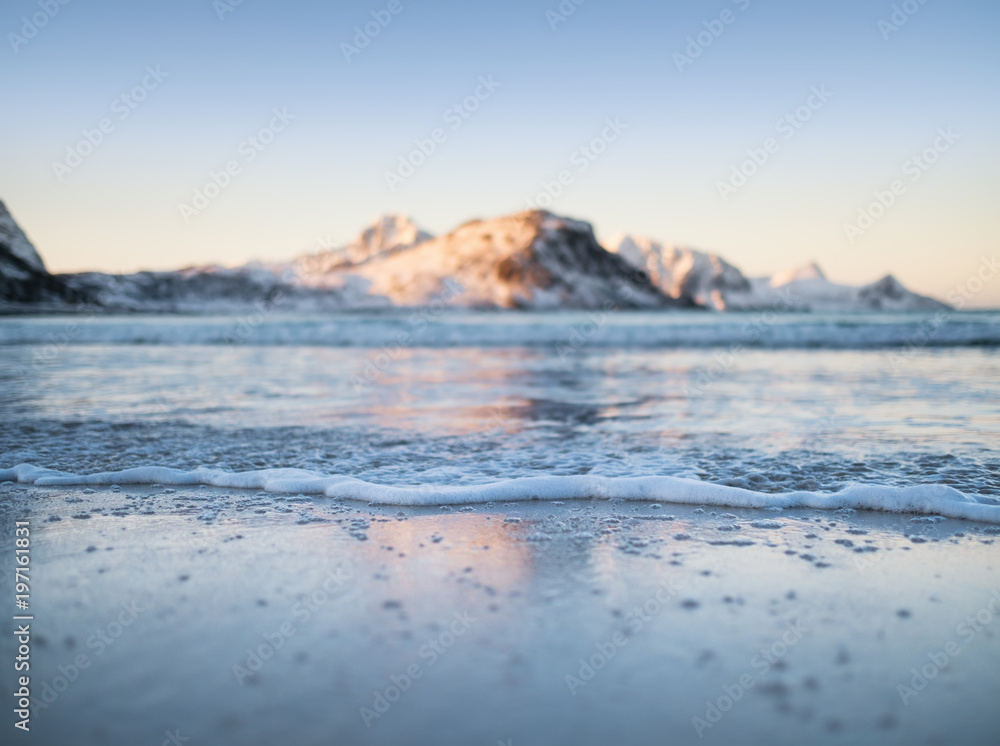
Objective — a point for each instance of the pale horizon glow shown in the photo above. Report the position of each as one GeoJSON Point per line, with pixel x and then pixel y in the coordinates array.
{"type": "Point", "coordinates": [321, 178]}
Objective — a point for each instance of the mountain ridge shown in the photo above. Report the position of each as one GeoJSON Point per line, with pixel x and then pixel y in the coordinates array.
{"type": "Point", "coordinates": [710, 281]}
{"type": "Point", "coordinates": [531, 260]}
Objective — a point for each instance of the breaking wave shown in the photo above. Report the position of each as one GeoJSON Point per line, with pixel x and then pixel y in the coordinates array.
{"type": "Point", "coordinates": [928, 499]}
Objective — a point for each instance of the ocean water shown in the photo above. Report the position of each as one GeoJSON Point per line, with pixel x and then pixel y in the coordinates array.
{"type": "Point", "coordinates": [299, 529]}
{"type": "Point", "coordinates": [898, 412]}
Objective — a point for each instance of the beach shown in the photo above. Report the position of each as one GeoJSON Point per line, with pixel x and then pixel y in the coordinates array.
{"type": "Point", "coordinates": [553, 542]}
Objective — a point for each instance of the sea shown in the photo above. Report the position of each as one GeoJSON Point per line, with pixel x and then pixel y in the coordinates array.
{"type": "Point", "coordinates": [434, 406]}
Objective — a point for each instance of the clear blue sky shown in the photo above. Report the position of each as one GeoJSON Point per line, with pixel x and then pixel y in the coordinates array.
{"type": "Point", "coordinates": [323, 177]}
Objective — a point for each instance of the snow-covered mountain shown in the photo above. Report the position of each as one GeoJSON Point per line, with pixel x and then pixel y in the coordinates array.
{"type": "Point", "coordinates": [691, 277]}
{"type": "Point", "coordinates": [529, 260]}
{"type": "Point", "coordinates": [310, 282]}
{"type": "Point", "coordinates": [709, 281]}
{"type": "Point", "coordinates": [819, 294]}
{"type": "Point", "coordinates": [809, 271]}
{"type": "Point", "coordinates": [389, 235]}
{"type": "Point", "coordinates": [23, 277]}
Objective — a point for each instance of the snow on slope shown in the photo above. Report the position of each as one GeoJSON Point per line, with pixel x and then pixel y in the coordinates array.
{"type": "Point", "coordinates": [809, 271]}
{"type": "Point", "coordinates": [710, 281]}
{"type": "Point", "coordinates": [388, 235]}
{"type": "Point", "coordinates": [311, 282]}
{"type": "Point", "coordinates": [819, 294]}
{"type": "Point", "coordinates": [692, 277]}
{"type": "Point", "coordinates": [530, 260]}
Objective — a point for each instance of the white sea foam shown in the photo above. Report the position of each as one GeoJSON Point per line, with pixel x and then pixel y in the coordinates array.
{"type": "Point", "coordinates": [928, 499]}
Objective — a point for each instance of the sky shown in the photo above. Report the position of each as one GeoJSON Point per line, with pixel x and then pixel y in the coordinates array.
{"type": "Point", "coordinates": [863, 135]}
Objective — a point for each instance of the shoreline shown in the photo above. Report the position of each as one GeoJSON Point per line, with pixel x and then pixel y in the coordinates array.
{"type": "Point", "coordinates": [933, 499]}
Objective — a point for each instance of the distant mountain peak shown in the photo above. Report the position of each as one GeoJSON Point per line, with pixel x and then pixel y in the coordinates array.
{"type": "Point", "coordinates": [689, 276]}
{"type": "Point", "coordinates": [532, 259]}
{"type": "Point", "coordinates": [708, 280]}
{"type": "Point", "coordinates": [385, 236]}
{"type": "Point", "coordinates": [809, 271]}
{"type": "Point", "coordinates": [887, 288]}
{"type": "Point", "coordinates": [14, 240]}
{"type": "Point", "coordinates": [391, 232]}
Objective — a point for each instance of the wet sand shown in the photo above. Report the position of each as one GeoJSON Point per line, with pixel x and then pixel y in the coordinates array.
{"type": "Point", "coordinates": [228, 617]}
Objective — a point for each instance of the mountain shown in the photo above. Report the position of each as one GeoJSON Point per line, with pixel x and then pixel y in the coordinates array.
{"type": "Point", "coordinates": [809, 271]}
{"type": "Point", "coordinates": [530, 260]}
{"type": "Point", "coordinates": [388, 235]}
{"type": "Point", "coordinates": [816, 293]}
{"type": "Point", "coordinates": [691, 277]}
{"type": "Point", "coordinates": [310, 282]}
{"type": "Point", "coordinates": [23, 276]}
{"type": "Point", "coordinates": [888, 294]}
{"type": "Point", "coordinates": [708, 280]}
{"type": "Point", "coordinates": [200, 289]}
